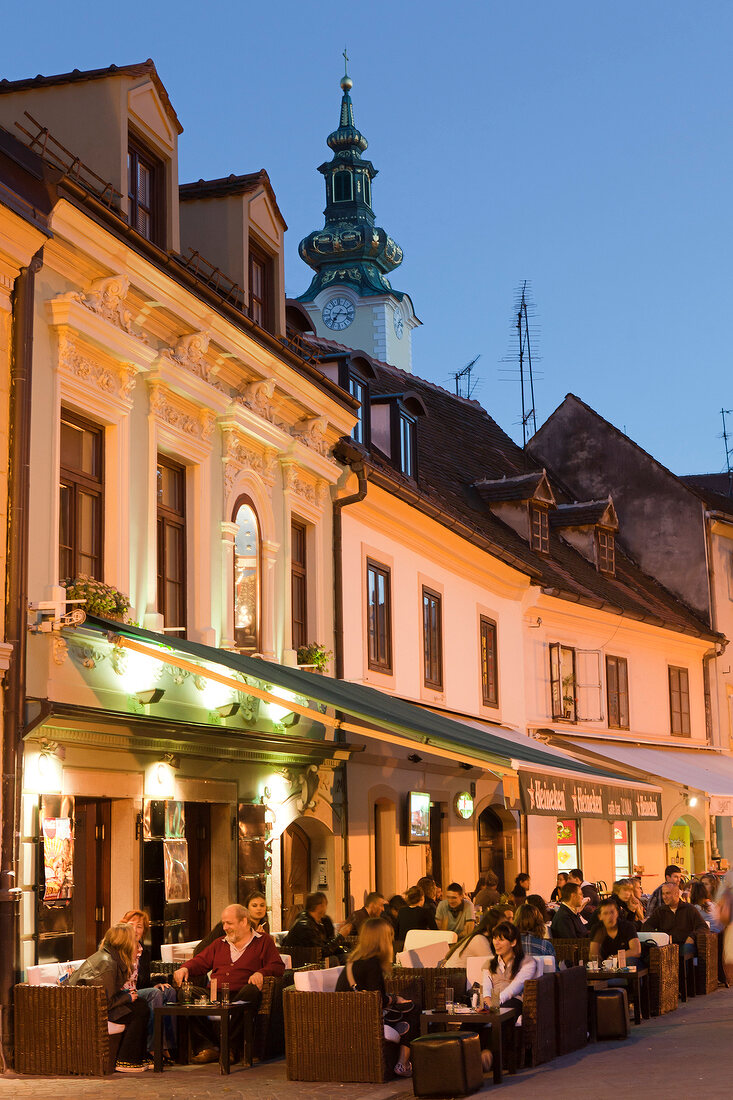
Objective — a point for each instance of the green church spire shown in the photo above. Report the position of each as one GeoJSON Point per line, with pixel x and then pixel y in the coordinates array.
{"type": "Point", "coordinates": [350, 248]}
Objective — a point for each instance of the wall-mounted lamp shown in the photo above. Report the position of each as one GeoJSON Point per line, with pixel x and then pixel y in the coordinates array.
{"type": "Point", "coordinates": [152, 695]}
{"type": "Point", "coordinates": [466, 767]}
{"type": "Point", "coordinates": [228, 710]}
{"type": "Point", "coordinates": [414, 758]}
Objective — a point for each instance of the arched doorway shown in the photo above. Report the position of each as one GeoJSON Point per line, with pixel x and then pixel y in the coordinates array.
{"type": "Point", "coordinates": [307, 854]}
{"type": "Point", "coordinates": [385, 856]}
{"type": "Point", "coordinates": [491, 845]}
{"type": "Point", "coordinates": [686, 845]}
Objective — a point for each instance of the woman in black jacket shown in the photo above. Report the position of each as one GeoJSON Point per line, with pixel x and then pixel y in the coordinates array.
{"type": "Point", "coordinates": [365, 969]}
{"type": "Point", "coordinates": [162, 993]}
{"type": "Point", "coordinates": [111, 967]}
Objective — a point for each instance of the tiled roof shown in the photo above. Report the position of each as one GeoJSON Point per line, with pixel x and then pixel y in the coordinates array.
{"type": "Point", "coordinates": [460, 444]}
{"type": "Point", "coordinates": [231, 185]}
{"type": "Point", "coordinates": [583, 514]}
{"type": "Point", "coordinates": [143, 68]}
{"type": "Point", "coordinates": [713, 489]}
{"type": "Point", "coordinates": [523, 487]}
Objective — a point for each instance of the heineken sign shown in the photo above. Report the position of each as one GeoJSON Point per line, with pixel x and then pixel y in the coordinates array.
{"type": "Point", "coordinates": [561, 796]}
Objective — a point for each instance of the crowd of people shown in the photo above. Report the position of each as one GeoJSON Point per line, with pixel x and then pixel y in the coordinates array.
{"type": "Point", "coordinates": [505, 929]}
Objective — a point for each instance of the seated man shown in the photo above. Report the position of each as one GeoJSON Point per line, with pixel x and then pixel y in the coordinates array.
{"type": "Point", "coordinates": [567, 923]}
{"type": "Point", "coordinates": [455, 913]}
{"type": "Point", "coordinates": [589, 891]}
{"type": "Point", "coordinates": [242, 960]}
{"type": "Point", "coordinates": [671, 874]}
{"type": "Point", "coordinates": [680, 920]}
{"type": "Point", "coordinates": [414, 915]}
{"type": "Point", "coordinates": [614, 934]}
{"type": "Point", "coordinates": [313, 928]}
{"type": "Point", "coordinates": [372, 907]}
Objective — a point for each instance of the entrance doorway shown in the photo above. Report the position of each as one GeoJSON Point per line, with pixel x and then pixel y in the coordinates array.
{"type": "Point", "coordinates": [296, 871]}
{"type": "Point", "coordinates": [198, 833]}
{"type": "Point", "coordinates": [92, 874]}
{"type": "Point", "coordinates": [686, 845]}
{"type": "Point", "coordinates": [491, 845]}
{"type": "Point", "coordinates": [435, 848]}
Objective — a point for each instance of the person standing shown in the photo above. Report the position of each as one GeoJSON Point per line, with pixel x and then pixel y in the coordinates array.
{"type": "Point", "coordinates": [455, 913]}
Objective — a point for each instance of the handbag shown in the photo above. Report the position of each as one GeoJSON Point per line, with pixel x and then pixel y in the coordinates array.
{"type": "Point", "coordinates": [392, 1014]}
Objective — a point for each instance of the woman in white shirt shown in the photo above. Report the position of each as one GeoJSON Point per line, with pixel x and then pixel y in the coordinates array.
{"type": "Point", "coordinates": [509, 969]}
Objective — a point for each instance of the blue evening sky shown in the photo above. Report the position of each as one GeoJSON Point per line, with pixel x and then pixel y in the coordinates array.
{"type": "Point", "coordinates": [581, 146]}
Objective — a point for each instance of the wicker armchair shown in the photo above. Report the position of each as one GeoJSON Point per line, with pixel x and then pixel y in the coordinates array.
{"type": "Point", "coordinates": [664, 978]}
{"type": "Point", "coordinates": [62, 1031]}
{"type": "Point", "coordinates": [301, 956]}
{"type": "Point", "coordinates": [572, 951]}
{"type": "Point", "coordinates": [538, 1033]}
{"type": "Point", "coordinates": [706, 971]}
{"type": "Point", "coordinates": [441, 983]}
{"type": "Point", "coordinates": [571, 1009]}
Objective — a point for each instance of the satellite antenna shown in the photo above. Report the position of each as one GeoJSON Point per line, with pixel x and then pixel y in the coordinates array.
{"type": "Point", "coordinates": [465, 385]}
{"type": "Point", "coordinates": [728, 450]}
{"type": "Point", "coordinates": [523, 311]}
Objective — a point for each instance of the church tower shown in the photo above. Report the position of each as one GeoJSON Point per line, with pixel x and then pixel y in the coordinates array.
{"type": "Point", "coordinates": [350, 298]}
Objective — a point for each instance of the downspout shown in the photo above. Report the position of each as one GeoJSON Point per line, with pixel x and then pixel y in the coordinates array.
{"type": "Point", "coordinates": [16, 602]}
{"type": "Point", "coordinates": [359, 469]}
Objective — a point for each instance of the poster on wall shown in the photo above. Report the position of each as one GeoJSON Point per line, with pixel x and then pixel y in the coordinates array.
{"type": "Point", "coordinates": [567, 845]}
{"type": "Point", "coordinates": [58, 858]}
{"type": "Point", "coordinates": [175, 867]}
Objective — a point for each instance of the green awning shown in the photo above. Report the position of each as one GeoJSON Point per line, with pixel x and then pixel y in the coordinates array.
{"type": "Point", "coordinates": [500, 746]}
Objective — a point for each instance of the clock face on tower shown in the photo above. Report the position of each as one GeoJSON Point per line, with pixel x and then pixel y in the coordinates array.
{"type": "Point", "coordinates": [399, 324]}
{"type": "Point", "coordinates": [338, 313]}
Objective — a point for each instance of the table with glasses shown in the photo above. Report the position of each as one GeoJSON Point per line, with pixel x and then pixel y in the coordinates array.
{"type": "Point", "coordinates": [185, 1012]}
{"type": "Point", "coordinates": [493, 1018]}
{"type": "Point", "coordinates": [637, 979]}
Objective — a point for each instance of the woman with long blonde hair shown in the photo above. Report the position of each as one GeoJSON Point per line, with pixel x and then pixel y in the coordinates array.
{"type": "Point", "coordinates": [155, 996]}
{"type": "Point", "coordinates": [365, 969]}
{"type": "Point", "coordinates": [111, 968]}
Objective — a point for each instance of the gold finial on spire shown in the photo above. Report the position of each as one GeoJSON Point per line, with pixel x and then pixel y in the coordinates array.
{"type": "Point", "coordinates": [346, 82]}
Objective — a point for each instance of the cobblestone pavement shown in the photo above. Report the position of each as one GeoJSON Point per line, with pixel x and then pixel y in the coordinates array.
{"type": "Point", "coordinates": [687, 1049]}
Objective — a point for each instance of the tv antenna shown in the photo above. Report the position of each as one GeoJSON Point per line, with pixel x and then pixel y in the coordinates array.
{"type": "Point", "coordinates": [465, 385]}
{"type": "Point", "coordinates": [523, 313]}
{"type": "Point", "coordinates": [728, 450]}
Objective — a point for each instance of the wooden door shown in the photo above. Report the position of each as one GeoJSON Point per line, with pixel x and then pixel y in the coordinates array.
{"type": "Point", "coordinates": [296, 872]}
{"type": "Point", "coordinates": [491, 845]}
{"type": "Point", "coordinates": [199, 919]}
{"type": "Point", "coordinates": [92, 874]}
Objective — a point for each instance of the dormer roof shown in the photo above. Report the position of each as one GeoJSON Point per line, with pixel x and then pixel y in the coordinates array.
{"type": "Point", "coordinates": [232, 185]}
{"type": "Point", "coordinates": [587, 513]}
{"type": "Point", "coordinates": [534, 486]}
{"type": "Point", "coordinates": [411, 400]}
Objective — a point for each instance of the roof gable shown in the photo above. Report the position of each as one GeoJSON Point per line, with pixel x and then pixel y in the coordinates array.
{"type": "Point", "coordinates": [588, 513]}
{"type": "Point", "coordinates": [147, 110]}
{"type": "Point", "coordinates": [525, 487]}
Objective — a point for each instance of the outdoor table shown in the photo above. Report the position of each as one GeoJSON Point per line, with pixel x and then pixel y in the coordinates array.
{"type": "Point", "coordinates": [638, 978]}
{"type": "Point", "coordinates": [224, 1012]}
{"type": "Point", "coordinates": [493, 1018]}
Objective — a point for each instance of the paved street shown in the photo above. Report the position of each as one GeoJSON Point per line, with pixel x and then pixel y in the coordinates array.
{"type": "Point", "coordinates": [690, 1043]}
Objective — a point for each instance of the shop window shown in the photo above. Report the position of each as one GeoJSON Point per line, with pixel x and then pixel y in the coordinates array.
{"type": "Point", "coordinates": [145, 183]}
{"type": "Point", "coordinates": [171, 491]}
{"type": "Point", "coordinates": [489, 666]}
{"type": "Point", "coordinates": [617, 692]}
{"type": "Point", "coordinates": [81, 498]}
{"type": "Point", "coordinates": [679, 701]}
{"type": "Point", "coordinates": [299, 584]}
{"type": "Point", "coordinates": [379, 617]}
{"type": "Point", "coordinates": [539, 529]}
{"type": "Point", "coordinates": [621, 849]}
{"type": "Point", "coordinates": [247, 582]}
{"type": "Point", "coordinates": [562, 682]}
{"type": "Point", "coordinates": [432, 619]}
{"type": "Point", "coordinates": [568, 848]}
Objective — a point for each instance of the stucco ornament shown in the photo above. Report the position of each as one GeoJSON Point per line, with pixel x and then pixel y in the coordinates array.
{"type": "Point", "coordinates": [257, 396]}
{"type": "Point", "coordinates": [190, 353]}
{"type": "Point", "coordinates": [237, 455]}
{"type": "Point", "coordinates": [168, 410]}
{"type": "Point", "coordinates": [312, 432]}
{"type": "Point", "coordinates": [106, 297]}
{"type": "Point", "coordinates": [117, 382]}
{"type": "Point", "coordinates": [308, 785]}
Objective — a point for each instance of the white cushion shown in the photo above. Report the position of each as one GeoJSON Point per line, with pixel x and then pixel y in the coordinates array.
{"type": "Point", "coordinates": [421, 937]}
{"type": "Point", "coordinates": [51, 973]}
{"type": "Point", "coordinates": [317, 981]}
{"type": "Point", "coordinates": [545, 964]}
{"type": "Point", "coordinates": [177, 952]}
{"type": "Point", "coordinates": [287, 959]}
{"type": "Point", "coordinates": [661, 939]}
{"type": "Point", "coordinates": [114, 1029]}
{"type": "Point", "coordinates": [429, 955]}
{"type": "Point", "coordinates": [474, 968]}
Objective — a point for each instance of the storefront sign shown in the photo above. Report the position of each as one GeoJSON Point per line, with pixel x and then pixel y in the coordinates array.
{"type": "Point", "coordinates": [464, 805]}
{"type": "Point", "coordinates": [562, 797]}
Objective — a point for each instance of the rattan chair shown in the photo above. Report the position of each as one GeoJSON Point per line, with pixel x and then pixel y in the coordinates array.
{"type": "Point", "coordinates": [302, 956]}
{"type": "Point", "coordinates": [571, 1009]}
{"type": "Point", "coordinates": [440, 983]}
{"type": "Point", "coordinates": [61, 1031]}
{"type": "Point", "coordinates": [572, 951]}
{"type": "Point", "coordinates": [538, 1039]}
{"type": "Point", "coordinates": [706, 971]}
{"type": "Point", "coordinates": [664, 978]}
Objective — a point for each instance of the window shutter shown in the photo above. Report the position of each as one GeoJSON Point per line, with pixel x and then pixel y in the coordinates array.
{"type": "Point", "coordinates": [588, 685]}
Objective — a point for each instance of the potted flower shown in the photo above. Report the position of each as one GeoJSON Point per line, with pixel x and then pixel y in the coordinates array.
{"type": "Point", "coordinates": [315, 656]}
{"type": "Point", "coordinates": [99, 599]}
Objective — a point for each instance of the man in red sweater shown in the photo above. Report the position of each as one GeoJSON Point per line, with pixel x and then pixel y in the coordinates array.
{"type": "Point", "coordinates": [241, 959]}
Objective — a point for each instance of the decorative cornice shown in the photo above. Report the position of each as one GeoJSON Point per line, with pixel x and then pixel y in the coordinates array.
{"type": "Point", "coordinates": [257, 396]}
{"type": "Point", "coordinates": [171, 410]}
{"type": "Point", "coordinates": [190, 352]}
{"type": "Point", "coordinates": [239, 454]}
{"type": "Point", "coordinates": [312, 432]}
{"type": "Point", "coordinates": [116, 381]}
{"type": "Point", "coordinates": [106, 297]}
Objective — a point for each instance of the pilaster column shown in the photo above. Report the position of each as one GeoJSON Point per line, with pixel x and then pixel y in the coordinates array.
{"type": "Point", "coordinates": [228, 535]}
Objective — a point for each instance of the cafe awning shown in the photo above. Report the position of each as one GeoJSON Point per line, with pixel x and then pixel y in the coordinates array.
{"type": "Point", "coordinates": [698, 768]}
{"type": "Point", "coordinates": [365, 710]}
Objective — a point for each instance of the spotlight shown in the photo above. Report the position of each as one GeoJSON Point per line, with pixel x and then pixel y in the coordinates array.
{"type": "Point", "coordinates": [466, 767]}
{"type": "Point", "coordinates": [228, 710]}
{"type": "Point", "coordinates": [693, 800]}
{"type": "Point", "coordinates": [414, 758]}
{"type": "Point", "coordinates": [152, 695]}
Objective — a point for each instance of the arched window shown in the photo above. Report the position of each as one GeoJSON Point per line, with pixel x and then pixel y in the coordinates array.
{"type": "Point", "coordinates": [367, 189]}
{"type": "Point", "coordinates": [343, 186]}
{"type": "Point", "coordinates": [247, 573]}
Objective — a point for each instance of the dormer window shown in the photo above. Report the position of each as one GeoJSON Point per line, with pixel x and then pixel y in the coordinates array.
{"type": "Point", "coordinates": [260, 287]}
{"type": "Point", "coordinates": [408, 455]}
{"type": "Point", "coordinates": [358, 388]}
{"type": "Point", "coordinates": [606, 543]}
{"type": "Point", "coordinates": [393, 428]}
{"type": "Point", "coordinates": [343, 186]}
{"type": "Point", "coordinates": [539, 529]}
{"type": "Point", "coordinates": [145, 181]}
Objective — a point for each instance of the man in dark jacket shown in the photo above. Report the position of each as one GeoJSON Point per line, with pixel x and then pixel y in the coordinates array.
{"type": "Point", "coordinates": [591, 897]}
{"type": "Point", "coordinates": [372, 907]}
{"type": "Point", "coordinates": [680, 920]}
{"type": "Point", "coordinates": [313, 928]}
{"type": "Point", "coordinates": [566, 923]}
{"type": "Point", "coordinates": [671, 874]}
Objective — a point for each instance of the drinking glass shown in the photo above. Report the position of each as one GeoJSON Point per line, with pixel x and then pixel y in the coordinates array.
{"type": "Point", "coordinates": [186, 993]}
{"type": "Point", "coordinates": [224, 993]}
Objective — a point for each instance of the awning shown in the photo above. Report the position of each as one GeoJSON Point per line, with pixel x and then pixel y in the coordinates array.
{"type": "Point", "coordinates": [377, 713]}
{"type": "Point", "coordinates": [701, 769]}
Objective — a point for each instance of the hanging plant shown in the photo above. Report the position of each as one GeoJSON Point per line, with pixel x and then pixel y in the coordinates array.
{"type": "Point", "coordinates": [314, 654]}
{"type": "Point", "coordinates": [99, 598]}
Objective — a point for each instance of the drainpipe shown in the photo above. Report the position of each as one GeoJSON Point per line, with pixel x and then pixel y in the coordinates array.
{"type": "Point", "coordinates": [356, 460]}
{"type": "Point", "coordinates": [16, 603]}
